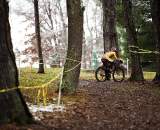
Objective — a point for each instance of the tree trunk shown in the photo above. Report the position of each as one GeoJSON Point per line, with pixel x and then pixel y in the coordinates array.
{"type": "Point", "coordinates": [156, 23]}
{"type": "Point", "coordinates": [136, 69]}
{"type": "Point", "coordinates": [109, 25]}
{"type": "Point", "coordinates": [13, 107]}
{"type": "Point", "coordinates": [38, 37]}
{"type": "Point", "coordinates": [75, 39]}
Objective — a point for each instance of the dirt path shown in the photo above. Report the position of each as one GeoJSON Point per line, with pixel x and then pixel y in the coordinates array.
{"type": "Point", "coordinates": [109, 106]}
{"type": "Point", "coordinates": [112, 106]}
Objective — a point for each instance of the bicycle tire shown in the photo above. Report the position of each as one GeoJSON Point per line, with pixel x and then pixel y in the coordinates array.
{"type": "Point", "coordinates": [101, 68]}
{"type": "Point", "coordinates": [122, 74]}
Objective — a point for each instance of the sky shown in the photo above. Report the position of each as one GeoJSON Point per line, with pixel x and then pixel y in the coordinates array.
{"type": "Point", "coordinates": [17, 24]}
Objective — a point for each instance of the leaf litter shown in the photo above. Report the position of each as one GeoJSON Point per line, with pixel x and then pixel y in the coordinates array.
{"type": "Point", "coordinates": [103, 106]}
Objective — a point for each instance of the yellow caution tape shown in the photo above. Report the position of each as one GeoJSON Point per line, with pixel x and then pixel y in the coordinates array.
{"type": "Point", "coordinates": [42, 88]}
{"type": "Point", "coordinates": [142, 51]}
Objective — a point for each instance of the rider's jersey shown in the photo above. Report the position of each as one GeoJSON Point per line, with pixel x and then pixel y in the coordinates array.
{"type": "Point", "coordinates": [111, 56]}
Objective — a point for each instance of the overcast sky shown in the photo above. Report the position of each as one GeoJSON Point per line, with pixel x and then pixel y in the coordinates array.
{"type": "Point", "coordinates": [17, 24]}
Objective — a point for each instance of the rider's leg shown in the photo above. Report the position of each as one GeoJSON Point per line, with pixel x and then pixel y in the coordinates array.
{"type": "Point", "coordinates": [107, 70]}
{"type": "Point", "coordinates": [104, 61]}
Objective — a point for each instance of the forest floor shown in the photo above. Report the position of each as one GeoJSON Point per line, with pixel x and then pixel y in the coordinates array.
{"type": "Point", "coordinates": [105, 106]}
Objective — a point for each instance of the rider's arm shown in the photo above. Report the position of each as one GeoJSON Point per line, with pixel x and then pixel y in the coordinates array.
{"type": "Point", "coordinates": [112, 56]}
{"type": "Point", "coordinates": [115, 55]}
{"type": "Point", "coordinates": [107, 56]}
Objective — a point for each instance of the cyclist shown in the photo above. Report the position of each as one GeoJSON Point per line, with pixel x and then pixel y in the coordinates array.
{"type": "Point", "coordinates": [108, 58]}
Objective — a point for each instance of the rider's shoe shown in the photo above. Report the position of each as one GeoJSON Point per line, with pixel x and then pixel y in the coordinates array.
{"type": "Point", "coordinates": [108, 79]}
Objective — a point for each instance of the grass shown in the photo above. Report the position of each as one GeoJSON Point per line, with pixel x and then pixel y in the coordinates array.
{"type": "Point", "coordinates": [87, 75]}
{"type": "Point", "coordinates": [149, 75]}
{"type": "Point", "coordinates": [30, 78]}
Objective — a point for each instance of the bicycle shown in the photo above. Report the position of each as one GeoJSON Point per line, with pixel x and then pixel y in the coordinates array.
{"type": "Point", "coordinates": [115, 69]}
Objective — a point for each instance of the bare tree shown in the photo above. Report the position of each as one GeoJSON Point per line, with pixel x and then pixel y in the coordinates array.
{"type": "Point", "coordinates": [38, 37]}
{"type": "Point", "coordinates": [53, 27]}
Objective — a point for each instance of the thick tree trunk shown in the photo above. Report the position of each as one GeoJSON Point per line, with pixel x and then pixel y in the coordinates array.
{"type": "Point", "coordinates": [13, 107]}
{"type": "Point", "coordinates": [38, 37]}
{"type": "Point", "coordinates": [155, 6]}
{"type": "Point", "coordinates": [136, 69]}
{"type": "Point", "coordinates": [75, 39]}
{"type": "Point", "coordinates": [109, 24]}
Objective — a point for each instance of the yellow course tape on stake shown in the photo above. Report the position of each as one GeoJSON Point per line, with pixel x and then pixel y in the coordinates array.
{"type": "Point", "coordinates": [44, 88]}
{"type": "Point", "coordinates": [33, 87]}
{"type": "Point", "coordinates": [73, 60]}
{"type": "Point", "coordinates": [72, 68]}
{"type": "Point", "coordinates": [133, 47]}
{"type": "Point", "coordinates": [60, 86]}
{"type": "Point", "coordinates": [44, 91]}
{"type": "Point", "coordinates": [46, 85]}
{"type": "Point", "coordinates": [143, 51]}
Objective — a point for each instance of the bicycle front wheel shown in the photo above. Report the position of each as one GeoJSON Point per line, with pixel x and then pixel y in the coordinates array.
{"type": "Point", "coordinates": [100, 74]}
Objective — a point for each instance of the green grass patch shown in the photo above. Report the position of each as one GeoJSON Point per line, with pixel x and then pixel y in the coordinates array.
{"type": "Point", "coordinates": [30, 77]}
{"type": "Point", "coordinates": [149, 75]}
{"type": "Point", "coordinates": [87, 74]}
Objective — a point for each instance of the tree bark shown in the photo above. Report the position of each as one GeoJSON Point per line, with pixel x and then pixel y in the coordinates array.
{"type": "Point", "coordinates": [155, 11]}
{"type": "Point", "coordinates": [75, 39]}
{"type": "Point", "coordinates": [109, 25]}
{"type": "Point", "coordinates": [136, 69]}
{"type": "Point", "coordinates": [13, 107]}
{"type": "Point", "coordinates": [38, 37]}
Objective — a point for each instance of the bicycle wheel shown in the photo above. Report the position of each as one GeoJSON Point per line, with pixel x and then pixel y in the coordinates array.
{"type": "Point", "coordinates": [118, 74]}
{"type": "Point", "coordinates": [100, 74]}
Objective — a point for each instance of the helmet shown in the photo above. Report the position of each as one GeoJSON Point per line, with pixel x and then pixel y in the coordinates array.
{"type": "Point", "coordinates": [114, 49]}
